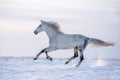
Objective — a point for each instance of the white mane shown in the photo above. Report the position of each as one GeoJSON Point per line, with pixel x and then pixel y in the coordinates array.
{"type": "Point", "coordinates": [53, 25]}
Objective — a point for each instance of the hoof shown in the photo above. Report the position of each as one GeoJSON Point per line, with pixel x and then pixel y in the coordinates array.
{"type": "Point", "coordinates": [77, 66]}
{"type": "Point", "coordinates": [35, 59]}
{"type": "Point", "coordinates": [49, 58]}
{"type": "Point", "coordinates": [66, 62]}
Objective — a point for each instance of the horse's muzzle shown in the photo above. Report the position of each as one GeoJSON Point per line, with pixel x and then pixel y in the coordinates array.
{"type": "Point", "coordinates": [35, 32]}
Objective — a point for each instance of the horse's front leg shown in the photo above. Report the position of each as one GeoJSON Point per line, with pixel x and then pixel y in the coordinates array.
{"type": "Point", "coordinates": [36, 57]}
{"type": "Point", "coordinates": [48, 57]}
{"type": "Point", "coordinates": [46, 50]}
{"type": "Point", "coordinates": [75, 55]}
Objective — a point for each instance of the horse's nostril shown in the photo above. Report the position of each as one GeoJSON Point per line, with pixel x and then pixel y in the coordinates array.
{"type": "Point", "coordinates": [35, 32]}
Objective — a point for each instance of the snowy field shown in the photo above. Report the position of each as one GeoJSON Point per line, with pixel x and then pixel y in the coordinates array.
{"type": "Point", "coordinates": [42, 69]}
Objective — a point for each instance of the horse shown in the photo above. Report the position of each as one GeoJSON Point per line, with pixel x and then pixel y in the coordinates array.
{"type": "Point", "coordinates": [60, 40]}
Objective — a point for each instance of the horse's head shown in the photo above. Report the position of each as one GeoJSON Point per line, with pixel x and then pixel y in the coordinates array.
{"type": "Point", "coordinates": [47, 26]}
{"type": "Point", "coordinates": [39, 28]}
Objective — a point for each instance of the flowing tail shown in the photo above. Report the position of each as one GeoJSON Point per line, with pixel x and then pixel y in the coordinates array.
{"type": "Point", "coordinates": [97, 42]}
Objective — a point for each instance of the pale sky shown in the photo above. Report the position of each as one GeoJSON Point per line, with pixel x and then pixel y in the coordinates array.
{"type": "Point", "coordinates": [92, 18]}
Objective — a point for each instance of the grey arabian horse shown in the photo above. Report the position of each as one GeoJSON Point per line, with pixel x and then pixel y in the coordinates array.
{"type": "Point", "coordinates": [60, 40]}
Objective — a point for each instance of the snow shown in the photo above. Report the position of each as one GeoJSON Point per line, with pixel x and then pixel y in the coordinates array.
{"type": "Point", "coordinates": [27, 69]}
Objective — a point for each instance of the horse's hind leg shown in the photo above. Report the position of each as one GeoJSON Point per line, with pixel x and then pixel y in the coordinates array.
{"type": "Point", "coordinates": [75, 55]}
{"type": "Point", "coordinates": [81, 49]}
{"type": "Point", "coordinates": [81, 57]}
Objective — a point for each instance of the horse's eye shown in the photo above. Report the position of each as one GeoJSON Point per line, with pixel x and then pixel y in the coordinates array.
{"type": "Point", "coordinates": [39, 25]}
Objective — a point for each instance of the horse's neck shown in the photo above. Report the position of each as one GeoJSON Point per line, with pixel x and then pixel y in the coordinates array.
{"type": "Point", "coordinates": [52, 33]}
